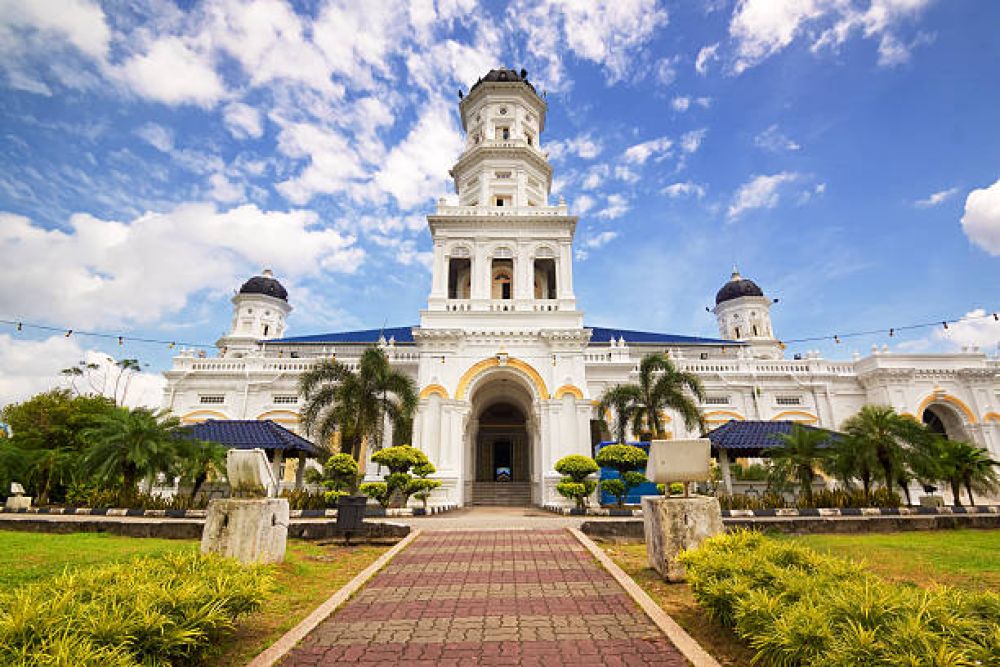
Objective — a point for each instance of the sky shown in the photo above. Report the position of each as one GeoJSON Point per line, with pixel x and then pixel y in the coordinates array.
{"type": "Point", "coordinates": [844, 154]}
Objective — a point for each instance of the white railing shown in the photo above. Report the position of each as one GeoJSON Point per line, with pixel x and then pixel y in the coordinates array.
{"type": "Point", "coordinates": [502, 211]}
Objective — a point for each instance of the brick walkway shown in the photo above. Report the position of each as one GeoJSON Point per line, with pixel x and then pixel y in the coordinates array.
{"type": "Point", "coordinates": [489, 598]}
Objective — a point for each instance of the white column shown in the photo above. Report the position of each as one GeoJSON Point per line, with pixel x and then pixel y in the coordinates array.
{"type": "Point", "coordinates": [481, 270]}
{"type": "Point", "coordinates": [565, 268]}
{"type": "Point", "coordinates": [439, 279]}
{"type": "Point", "coordinates": [727, 478]}
{"type": "Point", "coordinates": [523, 283]}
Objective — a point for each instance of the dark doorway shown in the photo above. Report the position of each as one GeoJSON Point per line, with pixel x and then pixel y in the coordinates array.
{"type": "Point", "coordinates": [503, 461]}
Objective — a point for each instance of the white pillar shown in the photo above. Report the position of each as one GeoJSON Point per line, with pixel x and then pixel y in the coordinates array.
{"type": "Point", "coordinates": [727, 479]}
{"type": "Point", "coordinates": [279, 456]}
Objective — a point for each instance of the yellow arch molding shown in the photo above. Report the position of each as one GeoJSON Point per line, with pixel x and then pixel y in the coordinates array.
{"type": "Point", "coordinates": [802, 415]}
{"type": "Point", "coordinates": [573, 390]}
{"type": "Point", "coordinates": [432, 389]}
{"type": "Point", "coordinates": [946, 398]}
{"type": "Point", "coordinates": [282, 416]}
{"type": "Point", "coordinates": [710, 416]}
{"type": "Point", "coordinates": [202, 415]}
{"type": "Point", "coordinates": [991, 417]}
{"type": "Point", "coordinates": [486, 364]}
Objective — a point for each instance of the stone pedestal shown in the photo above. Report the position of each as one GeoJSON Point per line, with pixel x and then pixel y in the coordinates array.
{"type": "Point", "coordinates": [251, 530]}
{"type": "Point", "coordinates": [932, 501]}
{"type": "Point", "coordinates": [675, 524]}
{"type": "Point", "coordinates": [18, 503]}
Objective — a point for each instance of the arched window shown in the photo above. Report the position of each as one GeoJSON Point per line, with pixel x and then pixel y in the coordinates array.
{"type": "Point", "coordinates": [502, 285]}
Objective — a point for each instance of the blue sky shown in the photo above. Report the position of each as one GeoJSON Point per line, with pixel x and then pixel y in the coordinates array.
{"type": "Point", "coordinates": [153, 156]}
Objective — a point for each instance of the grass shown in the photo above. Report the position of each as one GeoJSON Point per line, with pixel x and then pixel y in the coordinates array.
{"type": "Point", "coordinates": [962, 558]}
{"type": "Point", "coordinates": [310, 574]}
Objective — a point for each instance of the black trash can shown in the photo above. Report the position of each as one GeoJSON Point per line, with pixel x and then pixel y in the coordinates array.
{"type": "Point", "coordinates": [351, 515]}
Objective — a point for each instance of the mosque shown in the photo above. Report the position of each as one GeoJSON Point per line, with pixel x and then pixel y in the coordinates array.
{"type": "Point", "coordinates": [507, 370]}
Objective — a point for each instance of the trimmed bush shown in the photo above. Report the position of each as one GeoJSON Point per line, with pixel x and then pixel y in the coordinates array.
{"type": "Point", "coordinates": [377, 491]}
{"type": "Point", "coordinates": [576, 485]}
{"type": "Point", "coordinates": [836, 498]}
{"type": "Point", "coordinates": [148, 611]}
{"type": "Point", "coordinates": [399, 459]}
{"type": "Point", "coordinates": [625, 459]}
{"type": "Point", "coordinates": [302, 499]}
{"type": "Point", "coordinates": [795, 606]}
{"type": "Point", "coordinates": [421, 487]}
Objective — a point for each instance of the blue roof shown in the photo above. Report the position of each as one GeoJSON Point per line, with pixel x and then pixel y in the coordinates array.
{"type": "Point", "coordinates": [600, 335]}
{"type": "Point", "coordinates": [748, 435]}
{"type": "Point", "coordinates": [250, 434]}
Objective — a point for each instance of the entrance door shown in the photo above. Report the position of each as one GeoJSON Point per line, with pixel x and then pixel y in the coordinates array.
{"type": "Point", "coordinates": [503, 461]}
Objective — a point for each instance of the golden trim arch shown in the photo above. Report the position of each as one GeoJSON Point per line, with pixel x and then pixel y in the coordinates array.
{"type": "Point", "coordinates": [282, 416]}
{"type": "Point", "coordinates": [708, 416]}
{"type": "Point", "coordinates": [569, 389]}
{"type": "Point", "coordinates": [197, 416]}
{"type": "Point", "coordinates": [478, 368]}
{"type": "Point", "coordinates": [803, 416]}
{"type": "Point", "coordinates": [433, 389]}
{"type": "Point", "coordinates": [991, 417]}
{"type": "Point", "coordinates": [946, 398]}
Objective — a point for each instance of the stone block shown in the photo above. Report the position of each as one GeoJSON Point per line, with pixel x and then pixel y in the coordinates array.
{"type": "Point", "coordinates": [931, 501]}
{"type": "Point", "coordinates": [675, 524]}
{"type": "Point", "coordinates": [18, 503]}
{"type": "Point", "coordinates": [251, 530]}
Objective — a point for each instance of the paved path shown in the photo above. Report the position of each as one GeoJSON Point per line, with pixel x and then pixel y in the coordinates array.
{"type": "Point", "coordinates": [496, 518]}
{"type": "Point", "coordinates": [512, 597]}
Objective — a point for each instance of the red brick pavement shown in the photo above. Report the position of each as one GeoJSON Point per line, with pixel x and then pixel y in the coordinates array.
{"type": "Point", "coordinates": [489, 598]}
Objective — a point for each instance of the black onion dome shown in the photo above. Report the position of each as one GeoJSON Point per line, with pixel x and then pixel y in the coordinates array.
{"type": "Point", "coordinates": [265, 284]}
{"type": "Point", "coordinates": [505, 76]}
{"type": "Point", "coordinates": [737, 287]}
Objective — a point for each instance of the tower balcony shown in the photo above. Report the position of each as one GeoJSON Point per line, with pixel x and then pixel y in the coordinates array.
{"type": "Point", "coordinates": [561, 210]}
{"type": "Point", "coordinates": [502, 305]}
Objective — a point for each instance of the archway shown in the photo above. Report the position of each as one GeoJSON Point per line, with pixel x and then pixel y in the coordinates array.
{"type": "Point", "coordinates": [944, 420]}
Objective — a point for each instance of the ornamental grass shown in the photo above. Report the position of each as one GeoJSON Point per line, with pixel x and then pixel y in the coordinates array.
{"type": "Point", "coordinates": [149, 611]}
{"type": "Point", "coordinates": [795, 606]}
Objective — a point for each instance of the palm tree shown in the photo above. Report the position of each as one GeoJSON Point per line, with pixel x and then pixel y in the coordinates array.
{"type": "Point", "coordinates": [127, 445]}
{"type": "Point", "coordinates": [661, 386]}
{"type": "Point", "coordinates": [850, 459]}
{"type": "Point", "coordinates": [198, 460]}
{"type": "Point", "coordinates": [622, 401]}
{"type": "Point", "coordinates": [356, 403]}
{"type": "Point", "coordinates": [888, 437]}
{"type": "Point", "coordinates": [963, 464]}
{"type": "Point", "coordinates": [802, 452]}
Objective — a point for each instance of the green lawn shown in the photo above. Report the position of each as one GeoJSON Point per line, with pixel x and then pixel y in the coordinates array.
{"type": "Point", "coordinates": [310, 574]}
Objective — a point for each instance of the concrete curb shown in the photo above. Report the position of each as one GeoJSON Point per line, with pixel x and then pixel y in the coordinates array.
{"type": "Point", "coordinates": [684, 642]}
{"type": "Point", "coordinates": [279, 649]}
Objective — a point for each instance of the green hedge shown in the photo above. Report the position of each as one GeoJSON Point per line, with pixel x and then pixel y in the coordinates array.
{"type": "Point", "coordinates": [149, 611]}
{"type": "Point", "coordinates": [795, 606]}
{"type": "Point", "coordinates": [836, 498]}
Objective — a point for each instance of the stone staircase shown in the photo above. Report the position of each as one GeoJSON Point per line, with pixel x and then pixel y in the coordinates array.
{"type": "Point", "coordinates": [514, 494]}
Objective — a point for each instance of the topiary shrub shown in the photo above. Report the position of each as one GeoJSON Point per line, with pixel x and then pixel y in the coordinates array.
{"type": "Point", "coordinates": [400, 458]}
{"type": "Point", "coordinates": [340, 473]}
{"type": "Point", "coordinates": [377, 491]}
{"type": "Point", "coordinates": [421, 487]}
{"type": "Point", "coordinates": [576, 485]}
{"type": "Point", "coordinates": [399, 482]}
{"type": "Point", "coordinates": [615, 487]}
{"type": "Point", "coordinates": [795, 606]}
{"type": "Point", "coordinates": [626, 460]}
{"type": "Point", "coordinates": [169, 610]}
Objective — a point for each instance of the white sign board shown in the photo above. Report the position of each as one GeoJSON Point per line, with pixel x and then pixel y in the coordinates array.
{"type": "Point", "coordinates": [250, 469]}
{"type": "Point", "coordinates": [679, 461]}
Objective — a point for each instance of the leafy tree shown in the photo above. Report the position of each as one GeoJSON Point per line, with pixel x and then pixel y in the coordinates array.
{"type": "Point", "coordinates": [196, 461]}
{"type": "Point", "coordinates": [963, 464]}
{"type": "Point", "coordinates": [356, 403]}
{"type": "Point", "coordinates": [626, 460]}
{"type": "Point", "coordinates": [576, 483]}
{"type": "Point", "coordinates": [622, 402]}
{"type": "Point", "coordinates": [661, 386]}
{"type": "Point", "coordinates": [802, 452]}
{"type": "Point", "coordinates": [399, 460]}
{"type": "Point", "coordinates": [421, 487]}
{"type": "Point", "coordinates": [378, 491]}
{"type": "Point", "coordinates": [851, 459]}
{"type": "Point", "coordinates": [880, 433]}
{"type": "Point", "coordinates": [131, 444]}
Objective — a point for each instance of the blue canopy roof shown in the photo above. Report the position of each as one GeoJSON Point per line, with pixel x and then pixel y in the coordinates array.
{"type": "Point", "coordinates": [600, 335]}
{"type": "Point", "coordinates": [250, 434]}
{"type": "Point", "coordinates": [756, 435]}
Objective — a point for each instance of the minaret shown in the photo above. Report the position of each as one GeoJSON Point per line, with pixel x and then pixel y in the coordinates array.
{"type": "Point", "coordinates": [259, 311]}
{"type": "Point", "coordinates": [743, 313]}
{"type": "Point", "coordinates": [503, 249]}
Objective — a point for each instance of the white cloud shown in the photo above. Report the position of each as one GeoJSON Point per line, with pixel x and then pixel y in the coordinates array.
{"type": "Point", "coordinates": [157, 136]}
{"type": "Point", "coordinates": [605, 32]}
{"type": "Point", "coordinates": [582, 204]}
{"type": "Point", "coordinates": [666, 70]}
{"type": "Point", "coordinates": [80, 22]}
{"type": "Point", "coordinates": [639, 153]}
{"type": "Point", "coordinates": [595, 176]}
{"type": "Point", "coordinates": [583, 146]}
{"type": "Point", "coordinates": [981, 221]}
{"type": "Point", "coordinates": [333, 164]}
{"type": "Point", "coordinates": [681, 103]}
{"type": "Point", "coordinates": [706, 55]}
{"type": "Point", "coordinates": [103, 272]}
{"type": "Point", "coordinates": [936, 198]}
{"type": "Point", "coordinates": [772, 139]}
{"type": "Point", "coordinates": [684, 189]}
{"type": "Point", "coordinates": [28, 367]}
{"type": "Point", "coordinates": [623, 173]}
{"type": "Point", "coordinates": [224, 190]}
{"type": "Point", "coordinates": [243, 121]}
{"type": "Point", "coordinates": [977, 328]}
{"type": "Point", "coordinates": [173, 73]}
{"type": "Point", "coordinates": [759, 192]}
{"type": "Point", "coordinates": [617, 206]}
{"type": "Point", "coordinates": [593, 242]}
{"type": "Point", "coordinates": [691, 141]}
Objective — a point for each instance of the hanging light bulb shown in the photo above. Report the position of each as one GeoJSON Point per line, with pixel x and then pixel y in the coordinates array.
{"type": "Point", "coordinates": [892, 332]}
{"type": "Point", "coordinates": [69, 332]}
{"type": "Point", "coordinates": [945, 325]}
{"type": "Point", "coordinates": [996, 318]}
{"type": "Point", "coordinates": [21, 326]}
{"type": "Point", "coordinates": [836, 339]}
{"type": "Point", "coordinates": [121, 340]}
{"type": "Point", "coordinates": [170, 346]}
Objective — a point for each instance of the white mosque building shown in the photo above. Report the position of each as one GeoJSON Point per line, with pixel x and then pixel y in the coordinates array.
{"type": "Point", "coordinates": [508, 371]}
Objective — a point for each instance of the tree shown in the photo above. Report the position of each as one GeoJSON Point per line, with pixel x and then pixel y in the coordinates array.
{"type": "Point", "coordinates": [622, 402]}
{"type": "Point", "coordinates": [851, 459]}
{"type": "Point", "coordinates": [887, 437]}
{"type": "Point", "coordinates": [356, 403]}
{"type": "Point", "coordinates": [963, 464]}
{"type": "Point", "coordinates": [802, 452]}
{"type": "Point", "coordinates": [196, 461]}
{"type": "Point", "coordinates": [129, 444]}
{"type": "Point", "coordinates": [576, 483]}
{"type": "Point", "coordinates": [421, 487]}
{"type": "Point", "coordinates": [626, 460]}
{"type": "Point", "coordinates": [661, 385]}
{"type": "Point", "coordinates": [399, 460]}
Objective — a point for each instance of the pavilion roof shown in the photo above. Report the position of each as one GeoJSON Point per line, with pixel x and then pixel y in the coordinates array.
{"type": "Point", "coordinates": [251, 434]}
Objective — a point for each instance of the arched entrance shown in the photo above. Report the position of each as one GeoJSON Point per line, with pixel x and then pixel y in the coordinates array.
{"type": "Point", "coordinates": [944, 420]}
{"type": "Point", "coordinates": [501, 437]}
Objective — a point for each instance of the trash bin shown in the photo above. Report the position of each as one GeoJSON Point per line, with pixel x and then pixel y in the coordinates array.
{"type": "Point", "coordinates": [351, 514]}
